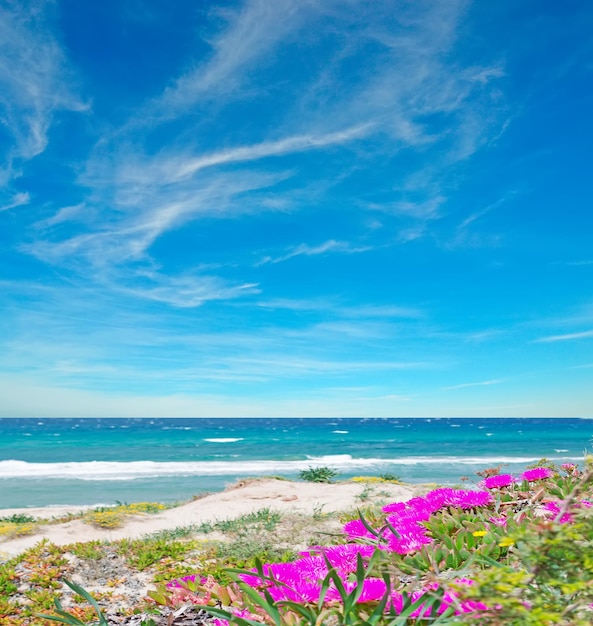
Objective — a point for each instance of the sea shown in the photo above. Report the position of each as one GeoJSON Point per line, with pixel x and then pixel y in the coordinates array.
{"type": "Point", "coordinates": [102, 461]}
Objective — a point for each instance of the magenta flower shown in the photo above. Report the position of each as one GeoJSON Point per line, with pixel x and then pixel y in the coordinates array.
{"type": "Point", "coordinates": [300, 591]}
{"type": "Point", "coordinates": [553, 509]}
{"type": "Point", "coordinates": [411, 539]}
{"type": "Point", "coordinates": [538, 473]}
{"type": "Point", "coordinates": [498, 481]}
{"type": "Point", "coordinates": [345, 557]}
{"type": "Point", "coordinates": [356, 528]}
{"type": "Point", "coordinates": [373, 590]}
{"type": "Point", "coordinates": [395, 507]}
{"type": "Point", "coordinates": [183, 581]}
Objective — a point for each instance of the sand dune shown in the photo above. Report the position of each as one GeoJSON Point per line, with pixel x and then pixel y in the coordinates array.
{"type": "Point", "coordinates": [244, 497]}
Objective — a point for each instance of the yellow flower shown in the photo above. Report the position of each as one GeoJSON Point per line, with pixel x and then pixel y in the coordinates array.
{"type": "Point", "coordinates": [506, 542]}
{"type": "Point", "coordinates": [479, 533]}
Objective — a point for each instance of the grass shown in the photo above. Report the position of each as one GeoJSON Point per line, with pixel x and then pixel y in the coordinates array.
{"type": "Point", "coordinates": [264, 519]}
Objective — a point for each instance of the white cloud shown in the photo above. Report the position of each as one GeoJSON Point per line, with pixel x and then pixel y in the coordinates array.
{"type": "Point", "coordinates": [306, 250]}
{"type": "Point", "coordinates": [336, 308]}
{"type": "Point", "coordinates": [252, 32]}
{"type": "Point", "coordinates": [187, 291]}
{"type": "Point", "coordinates": [33, 84]}
{"type": "Point", "coordinates": [65, 214]}
{"type": "Point", "coordinates": [18, 199]}
{"type": "Point", "coordinates": [479, 384]}
{"type": "Point", "coordinates": [136, 195]}
{"type": "Point", "coordinates": [568, 337]}
{"type": "Point", "coordinates": [287, 145]}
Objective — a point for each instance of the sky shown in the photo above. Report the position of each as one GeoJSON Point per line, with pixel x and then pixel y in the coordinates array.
{"type": "Point", "coordinates": [296, 208]}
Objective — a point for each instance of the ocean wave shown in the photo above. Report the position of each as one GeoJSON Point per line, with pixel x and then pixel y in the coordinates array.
{"type": "Point", "coordinates": [133, 470]}
{"type": "Point", "coordinates": [223, 439]}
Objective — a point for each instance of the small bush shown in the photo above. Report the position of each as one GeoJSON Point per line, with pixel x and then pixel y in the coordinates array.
{"type": "Point", "coordinates": [10, 530]}
{"type": "Point", "coordinates": [18, 518]}
{"type": "Point", "coordinates": [318, 474]}
{"type": "Point", "coordinates": [391, 478]}
{"type": "Point", "coordinates": [105, 519]}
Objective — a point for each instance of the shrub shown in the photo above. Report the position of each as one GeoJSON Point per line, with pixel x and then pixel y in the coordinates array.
{"type": "Point", "coordinates": [318, 474]}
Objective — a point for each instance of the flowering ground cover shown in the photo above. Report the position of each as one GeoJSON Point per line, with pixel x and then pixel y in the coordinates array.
{"type": "Point", "coordinates": [512, 550]}
{"type": "Point", "coordinates": [517, 550]}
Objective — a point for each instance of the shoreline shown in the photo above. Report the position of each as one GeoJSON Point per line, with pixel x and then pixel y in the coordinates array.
{"type": "Point", "coordinates": [245, 497]}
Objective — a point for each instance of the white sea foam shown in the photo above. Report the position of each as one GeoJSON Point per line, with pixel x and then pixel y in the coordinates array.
{"type": "Point", "coordinates": [340, 432]}
{"type": "Point", "coordinates": [224, 439]}
{"type": "Point", "coordinates": [114, 471]}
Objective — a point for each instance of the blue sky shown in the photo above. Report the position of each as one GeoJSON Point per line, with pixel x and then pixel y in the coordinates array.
{"type": "Point", "coordinates": [296, 208]}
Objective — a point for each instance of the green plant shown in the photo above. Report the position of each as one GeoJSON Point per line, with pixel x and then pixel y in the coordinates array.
{"type": "Point", "coordinates": [18, 518]}
{"type": "Point", "coordinates": [179, 532]}
{"type": "Point", "coordinates": [108, 519]}
{"type": "Point", "coordinates": [8, 576]}
{"type": "Point", "coordinates": [366, 493]}
{"type": "Point", "coordinates": [244, 551]}
{"type": "Point", "coordinates": [65, 617]}
{"type": "Point", "coordinates": [10, 530]}
{"type": "Point", "coordinates": [143, 553]}
{"type": "Point", "coordinates": [318, 474]}
{"type": "Point", "coordinates": [318, 512]}
{"type": "Point", "coordinates": [91, 550]}
{"type": "Point", "coordinates": [393, 478]}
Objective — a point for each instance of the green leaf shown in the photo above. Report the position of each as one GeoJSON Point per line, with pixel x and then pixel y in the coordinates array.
{"type": "Point", "coordinates": [367, 525]}
{"type": "Point", "coordinates": [306, 612]}
{"type": "Point", "coordinates": [231, 617]}
{"type": "Point", "coordinates": [255, 597]}
{"type": "Point", "coordinates": [74, 621]}
{"type": "Point", "coordinates": [83, 593]}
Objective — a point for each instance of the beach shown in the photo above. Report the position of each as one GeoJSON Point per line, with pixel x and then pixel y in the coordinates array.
{"type": "Point", "coordinates": [240, 499]}
{"type": "Point", "coordinates": [92, 557]}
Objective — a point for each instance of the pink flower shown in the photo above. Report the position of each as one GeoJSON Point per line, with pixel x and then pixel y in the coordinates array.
{"type": "Point", "coordinates": [355, 528]}
{"type": "Point", "coordinates": [570, 468]}
{"type": "Point", "coordinates": [538, 473]}
{"type": "Point", "coordinates": [345, 557]}
{"type": "Point", "coordinates": [302, 591]}
{"type": "Point", "coordinates": [183, 581]}
{"type": "Point", "coordinates": [554, 509]}
{"type": "Point", "coordinates": [498, 521]}
{"type": "Point", "coordinates": [373, 590]}
{"type": "Point", "coordinates": [498, 481]}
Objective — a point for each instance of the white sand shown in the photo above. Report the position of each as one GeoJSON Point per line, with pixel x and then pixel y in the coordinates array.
{"type": "Point", "coordinates": [300, 497]}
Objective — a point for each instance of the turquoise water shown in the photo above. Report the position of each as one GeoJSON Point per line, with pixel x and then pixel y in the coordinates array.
{"type": "Point", "coordinates": [90, 461]}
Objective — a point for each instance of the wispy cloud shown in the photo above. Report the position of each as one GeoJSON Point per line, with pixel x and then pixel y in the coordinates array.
{"type": "Point", "coordinates": [251, 32]}
{"type": "Point", "coordinates": [306, 250]}
{"type": "Point", "coordinates": [33, 84]}
{"type": "Point", "coordinates": [338, 308]}
{"type": "Point", "coordinates": [287, 145]}
{"type": "Point", "coordinates": [478, 384]}
{"type": "Point", "coordinates": [18, 199]}
{"type": "Point", "coordinates": [586, 334]}
{"type": "Point", "coordinates": [187, 291]}
{"type": "Point", "coordinates": [176, 161]}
